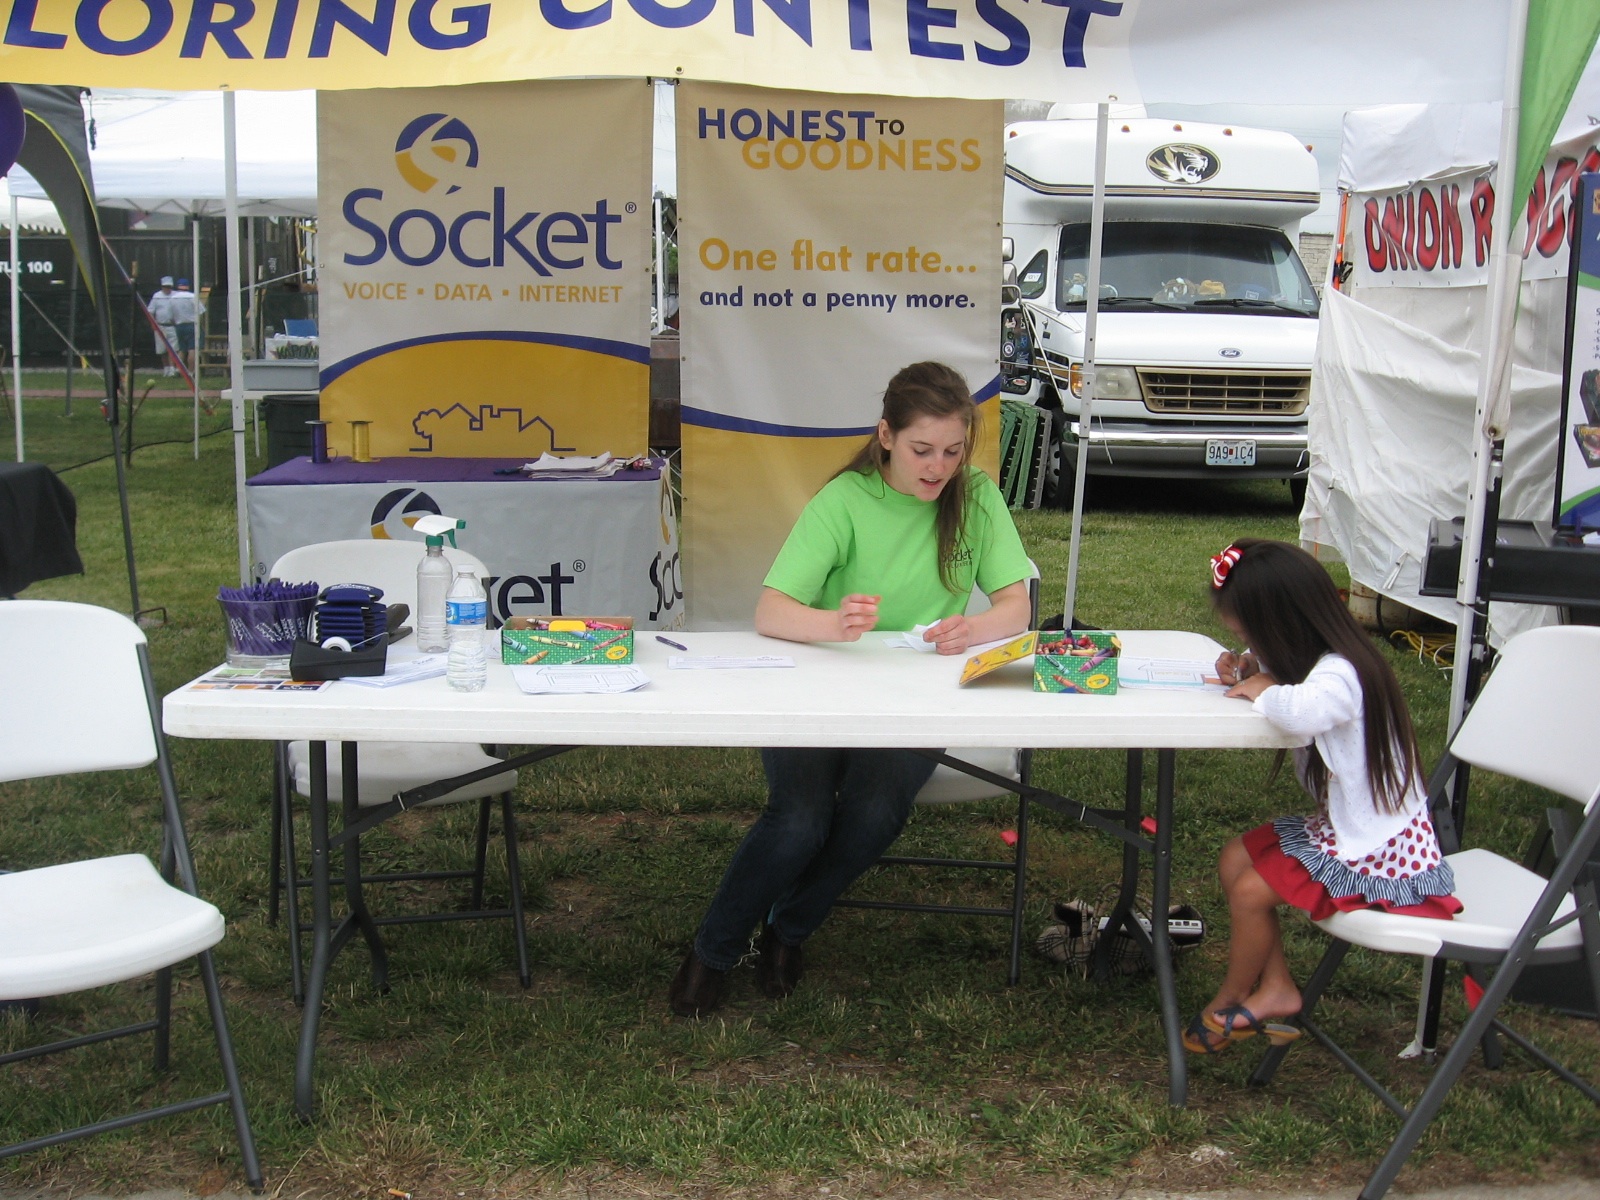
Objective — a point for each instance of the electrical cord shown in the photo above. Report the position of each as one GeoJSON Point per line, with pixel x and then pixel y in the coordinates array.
{"type": "Point", "coordinates": [145, 446]}
{"type": "Point", "coordinates": [1437, 648]}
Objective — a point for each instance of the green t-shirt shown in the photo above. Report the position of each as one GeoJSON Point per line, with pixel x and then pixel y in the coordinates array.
{"type": "Point", "coordinates": [860, 535]}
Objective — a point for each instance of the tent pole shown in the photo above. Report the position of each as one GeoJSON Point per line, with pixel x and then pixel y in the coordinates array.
{"type": "Point", "coordinates": [16, 329]}
{"type": "Point", "coordinates": [660, 322]}
{"type": "Point", "coordinates": [72, 337]}
{"type": "Point", "coordinates": [199, 324]}
{"type": "Point", "coordinates": [1494, 377]}
{"type": "Point", "coordinates": [230, 159]}
{"type": "Point", "coordinates": [1091, 314]}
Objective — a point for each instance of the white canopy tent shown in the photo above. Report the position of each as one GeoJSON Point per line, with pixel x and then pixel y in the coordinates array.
{"type": "Point", "coordinates": [162, 152]}
{"type": "Point", "coordinates": [1397, 367]}
{"type": "Point", "coordinates": [166, 152]}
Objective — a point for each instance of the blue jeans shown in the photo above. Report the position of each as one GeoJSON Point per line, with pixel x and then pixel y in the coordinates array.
{"type": "Point", "coordinates": [831, 813]}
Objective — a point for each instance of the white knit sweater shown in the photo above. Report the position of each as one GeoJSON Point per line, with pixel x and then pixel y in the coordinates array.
{"type": "Point", "coordinates": [1327, 708]}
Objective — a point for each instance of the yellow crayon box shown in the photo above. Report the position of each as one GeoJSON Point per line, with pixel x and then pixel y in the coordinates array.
{"type": "Point", "coordinates": [552, 641]}
{"type": "Point", "coordinates": [1077, 662]}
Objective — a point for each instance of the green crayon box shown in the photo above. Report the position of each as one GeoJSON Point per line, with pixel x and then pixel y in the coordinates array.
{"type": "Point", "coordinates": [556, 641]}
{"type": "Point", "coordinates": [1077, 662]}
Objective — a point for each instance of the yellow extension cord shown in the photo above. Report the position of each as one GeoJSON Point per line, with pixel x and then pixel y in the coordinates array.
{"type": "Point", "coordinates": [1437, 648]}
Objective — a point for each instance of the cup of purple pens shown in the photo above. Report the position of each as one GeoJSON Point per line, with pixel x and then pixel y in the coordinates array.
{"type": "Point", "coordinates": [264, 619]}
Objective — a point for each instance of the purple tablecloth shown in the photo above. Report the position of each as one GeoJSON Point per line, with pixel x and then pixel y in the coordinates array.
{"type": "Point", "coordinates": [419, 470]}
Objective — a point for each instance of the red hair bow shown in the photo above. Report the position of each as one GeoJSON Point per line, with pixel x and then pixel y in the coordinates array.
{"type": "Point", "coordinates": [1222, 563]}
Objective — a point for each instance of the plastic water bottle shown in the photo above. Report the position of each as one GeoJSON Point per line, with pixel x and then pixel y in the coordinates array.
{"type": "Point", "coordinates": [467, 614]}
{"type": "Point", "coordinates": [434, 577]}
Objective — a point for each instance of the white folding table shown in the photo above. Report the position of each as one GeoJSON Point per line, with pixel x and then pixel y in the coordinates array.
{"type": "Point", "coordinates": [860, 694]}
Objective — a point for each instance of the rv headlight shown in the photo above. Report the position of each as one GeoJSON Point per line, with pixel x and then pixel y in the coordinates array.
{"type": "Point", "coordinates": [1110, 383]}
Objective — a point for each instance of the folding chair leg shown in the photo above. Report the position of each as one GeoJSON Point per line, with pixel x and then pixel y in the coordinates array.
{"type": "Point", "coordinates": [1019, 892]}
{"type": "Point", "coordinates": [230, 1073]}
{"type": "Point", "coordinates": [163, 1030]}
{"type": "Point", "coordinates": [481, 854]}
{"type": "Point", "coordinates": [1433, 979]}
{"type": "Point", "coordinates": [1494, 1054]}
{"type": "Point", "coordinates": [355, 900]}
{"type": "Point", "coordinates": [519, 932]}
{"type": "Point", "coordinates": [1309, 995]}
{"type": "Point", "coordinates": [275, 854]}
{"type": "Point", "coordinates": [291, 888]}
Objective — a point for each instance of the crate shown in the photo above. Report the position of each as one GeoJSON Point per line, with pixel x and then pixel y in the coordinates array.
{"type": "Point", "coordinates": [1077, 662]}
{"type": "Point", "coordinates": [282, 375]}
{"type": "Point", "coordinates": [285, 416]}
{"type": "Point", "coordinates": [553, 641]}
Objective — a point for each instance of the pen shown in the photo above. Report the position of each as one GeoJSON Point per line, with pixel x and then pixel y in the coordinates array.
{"type": "Point", "coordinates": [673, 644]}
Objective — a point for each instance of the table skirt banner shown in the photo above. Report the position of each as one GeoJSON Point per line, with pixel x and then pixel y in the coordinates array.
{"type": "Point", "coordinates": [485, 272]}
{"type": "Point", "coordinates": [552, 548]}
{"type": "Point", "coordinates": [835, 239]}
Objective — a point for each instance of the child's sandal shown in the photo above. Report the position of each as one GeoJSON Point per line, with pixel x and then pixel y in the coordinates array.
{"type": "Point", "coordinates": [1236, 1023]}
{"type": "Point", "coordinates": [1200, 1038]}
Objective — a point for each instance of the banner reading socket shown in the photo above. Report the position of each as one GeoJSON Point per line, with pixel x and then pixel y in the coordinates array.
{"type": "Point", "coordinates": [485, 280]}
{"type": "Point", "coordinates": [824, 242]}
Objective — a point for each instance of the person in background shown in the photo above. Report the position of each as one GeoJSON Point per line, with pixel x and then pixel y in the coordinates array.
{"type": "Point", "coordinates": [896, 540]}
{"type": "Point", "coordinates": [161, 313]}
{"type": "Point", "coordinates": [187, 310]}
{"type": "Point", "coordinates": [1311, 670]}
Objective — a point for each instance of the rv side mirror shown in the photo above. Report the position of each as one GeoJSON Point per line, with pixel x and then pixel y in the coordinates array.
{"type": "Point", "coordinates": [1007, 250]}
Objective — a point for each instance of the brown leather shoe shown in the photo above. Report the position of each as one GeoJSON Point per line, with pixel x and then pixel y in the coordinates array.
{"type": "Point", "coordinates": [778, 967]}
{"type": "Point", "coordinates": [696, 988]}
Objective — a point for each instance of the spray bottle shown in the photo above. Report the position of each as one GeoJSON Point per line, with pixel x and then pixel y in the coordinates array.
{"type": "Point", "coordinates": [434, 576]}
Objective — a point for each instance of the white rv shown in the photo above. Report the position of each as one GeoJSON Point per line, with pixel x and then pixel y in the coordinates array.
{"type": "Point", "coordinates": [1207, 319]}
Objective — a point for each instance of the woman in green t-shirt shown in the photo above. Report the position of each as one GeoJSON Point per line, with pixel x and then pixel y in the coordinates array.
{"type": "Point", "coordinates": [897, 539]}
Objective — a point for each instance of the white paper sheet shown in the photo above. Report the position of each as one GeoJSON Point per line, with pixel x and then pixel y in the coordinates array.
{"type": "Point", "coordinates": [1174, 674]}
{"type": "Point", "coordinates": [404, 666]}
{"type": "Point", "coordinates": [577, 679]}
{"type": "Point", "coordinates": [912, 639]}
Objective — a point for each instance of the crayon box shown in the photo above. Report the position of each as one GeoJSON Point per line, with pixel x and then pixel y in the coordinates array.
{"type": "Point", "coordinates": [602, 641]}
{"type": "Point", "coordinates": [1077, 662]}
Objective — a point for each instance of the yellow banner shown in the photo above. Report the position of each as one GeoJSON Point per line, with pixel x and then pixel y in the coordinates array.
{"type": "Point", "coordinates": [826, 242]}
{"type": "Point", "coordinates": [987, 49]}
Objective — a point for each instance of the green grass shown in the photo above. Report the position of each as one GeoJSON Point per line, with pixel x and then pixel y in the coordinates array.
{"type": "Point", "coordinates": [903, 1060]}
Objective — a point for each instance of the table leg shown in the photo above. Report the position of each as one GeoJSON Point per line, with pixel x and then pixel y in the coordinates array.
{"type": "Point", "coordinates": [355, 899]}
{"type": "Point", "coordinates": [1121, 914]}
{"type": "Point", "coordinates": [317, 976]}
{"type": "Point", "coordinates": [1160, 901]}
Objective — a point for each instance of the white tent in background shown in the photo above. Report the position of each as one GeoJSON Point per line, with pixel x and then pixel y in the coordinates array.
{"type": "Point", "coordinates": [33, 216]}
{"type": "Point", "coordinates": [1398, 361]}
{"type": "Point", "coordinates": [162, 152]}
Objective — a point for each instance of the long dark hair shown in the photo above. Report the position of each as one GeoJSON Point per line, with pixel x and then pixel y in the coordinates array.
{"type": "Point", "coordinates": [928, 389]}
{"type": "Point", "coordinates": [1286, 604]}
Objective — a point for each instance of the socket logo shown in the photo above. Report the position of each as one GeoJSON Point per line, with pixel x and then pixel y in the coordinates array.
{"type": "Point", "coordinates": [406, 505]}
{"type": "Point", "coordinates": [435, 147]}
{"type": "Point", "coordinates": [1178, 163]}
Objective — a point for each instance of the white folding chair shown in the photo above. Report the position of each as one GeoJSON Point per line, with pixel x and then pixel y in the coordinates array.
{"type": "Point", "coordinates": [389, 767]}
{"type": "Point", "coordinates": [1533, 720]}
{"type": "Point", "coordinates": [76, 696]}
{"type": "Point", "coordinates": [949, 786]}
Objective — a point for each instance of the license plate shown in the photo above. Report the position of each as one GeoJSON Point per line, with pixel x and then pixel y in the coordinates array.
{"type": "Point", "coordinates": [1223, 452]}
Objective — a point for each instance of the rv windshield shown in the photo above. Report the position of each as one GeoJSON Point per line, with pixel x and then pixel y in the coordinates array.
{"type": "Point", "coordinates": [1160, 265]}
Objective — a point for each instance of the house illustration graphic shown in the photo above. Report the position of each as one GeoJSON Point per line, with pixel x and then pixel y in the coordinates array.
{"type": "Point", "coordinates": [503, 431]}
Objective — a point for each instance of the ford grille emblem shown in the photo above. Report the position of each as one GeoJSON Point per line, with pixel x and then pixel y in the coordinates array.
{"type": "Point", "coordinates": [1229, 352]}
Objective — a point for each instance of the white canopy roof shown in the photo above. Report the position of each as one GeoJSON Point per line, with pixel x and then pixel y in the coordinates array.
{"type": "Point", "coordinates": [162, 152]}
{"type": "Point", "coordinates": [1393, 146]}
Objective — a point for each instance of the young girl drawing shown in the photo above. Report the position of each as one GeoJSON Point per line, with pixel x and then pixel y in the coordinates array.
{"type": "Point", "coordinates": [1312, 670]}
{"type": "Point", "coordinates": [896, 539]}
